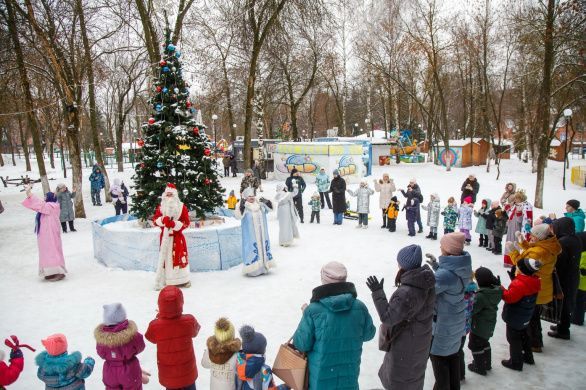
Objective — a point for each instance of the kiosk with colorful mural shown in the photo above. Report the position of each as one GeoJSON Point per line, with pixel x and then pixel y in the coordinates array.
{"type": "Point", "coordinates": [309, 157]}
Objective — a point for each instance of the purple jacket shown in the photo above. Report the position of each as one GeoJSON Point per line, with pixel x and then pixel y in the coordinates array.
{"type": "Point", "coordinates": [118, 345]}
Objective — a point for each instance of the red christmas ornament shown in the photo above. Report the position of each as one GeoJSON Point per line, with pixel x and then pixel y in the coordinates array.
{"type": "Point", "coordinates": [207, 152]}
{"type": "Point", "coordinates": [158, 89]}
{"type": "Point", "coordinates": [188, 104]}
{"type": "Point", "coordinates": [151, 121]}
{"type": "Point", "coordinates": [196, 130]}
{"type": "Point", "coordinates": [142, 165]}
{"type": "Point", "coordinates": [140, 142]}
{"type": "Point", "coordinates": [163, 62]}
{"type": "Point", "coordinates": [207, 181]}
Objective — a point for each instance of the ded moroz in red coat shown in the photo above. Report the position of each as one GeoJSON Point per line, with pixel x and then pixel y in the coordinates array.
{"type": "Point", "coordinates": [172, 332]}
{"type": "Point", "coordinates": [9, 373]}
{"type": "Point", "coordinates": [173, 268]}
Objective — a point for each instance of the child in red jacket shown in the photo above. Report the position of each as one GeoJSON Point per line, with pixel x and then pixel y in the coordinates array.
{"type": "Point", "coordinates": [172, 332]}
{"type": "Point", "coordinates": [10, 373]}
{"type": "Point", "coordinates": [520, 300]}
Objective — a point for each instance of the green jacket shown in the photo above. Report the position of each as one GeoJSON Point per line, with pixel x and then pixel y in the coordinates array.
{"type": "Point", "coordinates": [331, 332]}
{"type": "Point", "coordinates": [485, 311]}
{"type": "Point", "coordinates": [578, 217]}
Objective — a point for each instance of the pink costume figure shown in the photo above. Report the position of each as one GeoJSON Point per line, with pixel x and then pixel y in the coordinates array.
{"type": "Point", "coordinates": [48, 230]}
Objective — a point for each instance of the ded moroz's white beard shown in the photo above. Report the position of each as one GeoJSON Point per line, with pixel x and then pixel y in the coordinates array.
{"type": "Point", "coordinates": [171, 207]}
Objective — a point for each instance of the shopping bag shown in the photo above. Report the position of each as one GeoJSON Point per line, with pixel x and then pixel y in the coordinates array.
{"type": "Point", "coordinates": [552, 311]}
{"type": "Point", "coordinates": [291, 367]}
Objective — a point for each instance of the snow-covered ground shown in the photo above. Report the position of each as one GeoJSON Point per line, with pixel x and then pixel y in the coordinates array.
{"type": "Point", "coordinates": [32, 308]}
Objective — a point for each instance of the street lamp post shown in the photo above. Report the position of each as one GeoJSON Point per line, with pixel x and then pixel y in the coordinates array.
{"type": "Point", "coordinates": [214, 117]}
{"type": "Point", "coordinates": [568, 116]}
{"type": "Point", "coordinates": [355, 128]}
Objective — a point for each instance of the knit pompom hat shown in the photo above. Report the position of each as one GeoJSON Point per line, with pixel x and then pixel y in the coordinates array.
{"type": "Point", "coordinates": [333, 272]}
{"type": "Point", "coordinates": [468, 199]}
{"type": "Point", "coordinates": [56, 344]}
{"type": "Point", "coordinates": [252, 342]}
{"type": "Point", "coordinates": [336, 172]}
{"type": "Point", "coordinates": [453, 243]}
{"type": "Point", "coordinates": [541, 231]}
{"type": "Point", "coordinates": [410, 257]}
{"type": "Point", "coordinates": [114, 313]}
{"type": "Point", "coordinates": [224, 330]}
{"type": "Point", "coordinates": [528, 266]}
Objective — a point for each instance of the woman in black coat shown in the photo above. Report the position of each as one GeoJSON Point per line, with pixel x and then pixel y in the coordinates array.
{"type": "Point", "coordinates": [567, 267]}
{"type": "Point", "coordinates": [338, 190]}
{"type": "Point", "coordinates": [470, 187]}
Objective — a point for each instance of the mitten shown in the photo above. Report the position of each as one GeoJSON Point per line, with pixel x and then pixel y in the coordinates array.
{"type": "Point", "coordinates": [373, 283]}
{"type": "Point", "coordinates": [497, 281]}
{"type": "Point", "coordinates": [165, 220]}
{"type": "Point", "coordinates": [15, 354]}
{"type": "Point", "coordinates": [170, 224]}
{"type": "Point", "coordinates": [432, 261]}
{"type": "Point", "coordinates": [89, 361]}
{"type": "Point", "coordinates": [512, 273]}
{"type": "Point", "coordinates": [583, 271]}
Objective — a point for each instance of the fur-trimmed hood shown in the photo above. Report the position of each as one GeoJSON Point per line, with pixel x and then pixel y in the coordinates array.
{"type": "Point", "coordinates": [57, 365]}
{"type": "Point", "coordinates": [115, 338]}
{"type": "Point", "coordinates": [220, 353]}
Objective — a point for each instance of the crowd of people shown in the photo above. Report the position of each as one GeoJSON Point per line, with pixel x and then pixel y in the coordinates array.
{"type": "Point", "coordinates": [437, 304]}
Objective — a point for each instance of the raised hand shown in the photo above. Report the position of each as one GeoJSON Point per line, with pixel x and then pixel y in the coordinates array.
{"type": "Point", "coordinates": [373, 283]}
{"type": "Point", "coordinates": [432, 261]}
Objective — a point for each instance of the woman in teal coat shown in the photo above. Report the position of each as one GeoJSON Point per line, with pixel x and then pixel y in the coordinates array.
{"type": "Point", "coordinates": [332, 330]}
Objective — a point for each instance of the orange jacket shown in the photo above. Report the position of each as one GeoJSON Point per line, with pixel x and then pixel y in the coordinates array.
{"type": "Point", "coordinates": [393, 210]}
{"type": "Point", "coordinates": [547, 252]}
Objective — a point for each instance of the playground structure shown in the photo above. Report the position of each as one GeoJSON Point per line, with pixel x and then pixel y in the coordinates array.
{"type": "Point", "coordinates": [406, 147]}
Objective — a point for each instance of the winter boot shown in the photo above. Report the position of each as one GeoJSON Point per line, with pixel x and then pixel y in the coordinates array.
{"type": "Point", "coordinates": [71, 227]}
{"type": "Point", "coordinates": [488, 359]}
{"type": "Point", "coordinates": [528, 358]}
{"type": "Point", "coordinates": [478, 365]}
{"type": "Point", "coordinates": [434, 236]}
{"type": "Point", "coordinates": [481, 241]}
{"type": "Point", "coordinates": [64, 227]}
{"type": "Point", "coordinates": [513, 366]}
{"type": "Point", "coordinates": [384, 221]}
{"type": "Point", "coordinates": [430, 235]}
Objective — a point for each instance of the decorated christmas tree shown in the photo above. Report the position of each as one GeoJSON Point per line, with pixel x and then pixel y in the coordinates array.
{"type": "Point", "coordinates": [175, 148]}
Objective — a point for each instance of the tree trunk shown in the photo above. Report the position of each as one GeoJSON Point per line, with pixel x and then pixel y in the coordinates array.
{"type": "Point", "coordinates": [294, 131]}
{"type": "Point", "coordinates": [24, 143]}
{"type": "Point", "coordinates": [249, 105]}
{"type": "Point", "coordinates": [89, 66]}
{"type": "Point", "coordinates": [543, 107]}
{"type": "Point", "coordinates": [150, 37]}
{"type": "Point", "coordinates": [28, 98]}
{"type": "Point", "coordinates": [51, 155]}
{"type": "Point", "coordinates": [228, 93]}
{"type": "Point", "coordinates": [11, 146]}
{"type": "Point", "coordinates": [72, 123]}
{"type": "Point", "coordinates": [119, 131]}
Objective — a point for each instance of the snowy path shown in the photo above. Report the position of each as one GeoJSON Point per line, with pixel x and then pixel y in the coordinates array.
{"type": "Point", "coordinates": [33, 309]}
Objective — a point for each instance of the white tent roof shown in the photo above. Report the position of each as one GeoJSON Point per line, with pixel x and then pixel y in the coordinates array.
{"type": "Point", "coordinates": [457, 142]}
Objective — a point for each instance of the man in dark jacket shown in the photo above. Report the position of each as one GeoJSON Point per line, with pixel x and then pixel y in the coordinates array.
{"type": "Point", "coordinates": [567, 267]}
{"type": "Point", "coordinates": [295, 180]}
{"type": "Point", "coordinates": [338, 190]}
{"type": "Point", "coordinates": [470, 187]}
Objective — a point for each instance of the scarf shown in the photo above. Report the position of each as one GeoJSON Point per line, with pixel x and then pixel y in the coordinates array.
{"type": "Point", "coordinates": [50, 197]}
